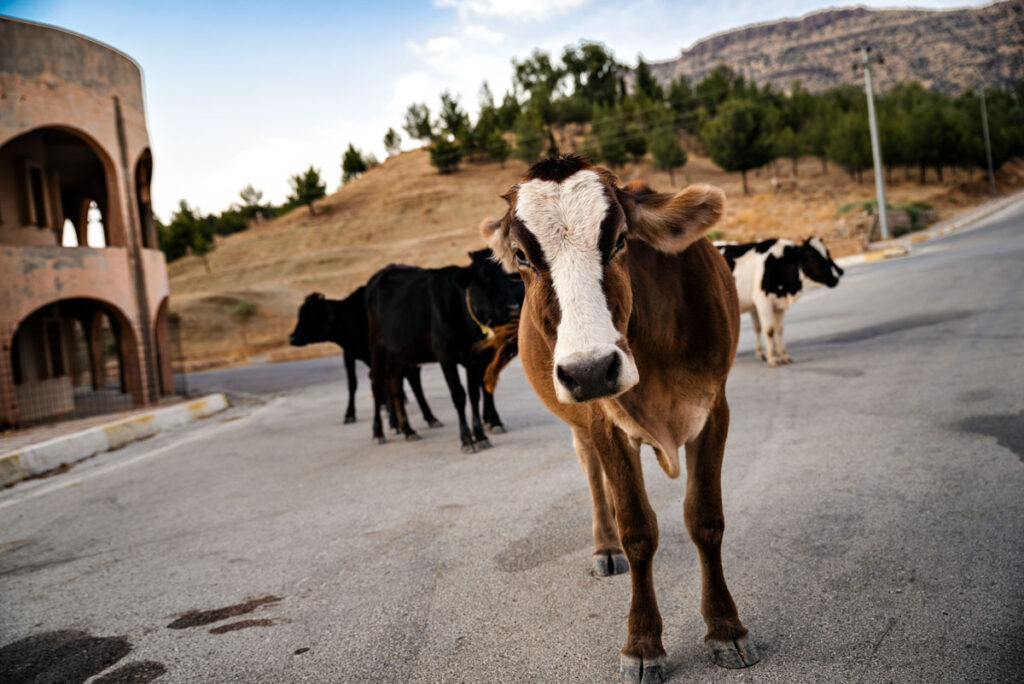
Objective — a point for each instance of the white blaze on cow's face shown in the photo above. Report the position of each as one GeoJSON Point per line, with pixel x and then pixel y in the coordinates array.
{"type": "Point", "coordinates": [566, 218]}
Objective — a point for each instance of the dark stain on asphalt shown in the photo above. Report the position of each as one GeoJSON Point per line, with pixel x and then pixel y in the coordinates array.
{"type": "Point", "coordinates": [62, 656]}
{"type": "Point", "coordinates": [241, 624]}
{"type": "Point", "coordinates": [140, 672]}
{"type": "Point", "coordinates": [899, 325]}
{"type": "Point", "coordinates": [1008, 429]}
{"type": "Point", "coordinates": [198, 618]}
{"type": "Point", "coordinates": [553, 536]}
{"type": "Point", "coordinates": [300, 651]}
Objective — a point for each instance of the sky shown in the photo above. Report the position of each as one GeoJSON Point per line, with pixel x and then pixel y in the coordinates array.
{"type": "Point", "coordinates": [254, 92]}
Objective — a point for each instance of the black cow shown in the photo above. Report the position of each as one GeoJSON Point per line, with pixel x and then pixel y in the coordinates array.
{"type": "Point", "coordinates": [344, 323]}
{"type": "Point", "coordinates": [424, 315]}
{"type": "Point", "coordinates": [769, 279]}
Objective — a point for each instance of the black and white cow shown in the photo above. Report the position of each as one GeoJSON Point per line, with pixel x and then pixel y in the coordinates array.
{"type": "Point", "coordinates": [770, 276]}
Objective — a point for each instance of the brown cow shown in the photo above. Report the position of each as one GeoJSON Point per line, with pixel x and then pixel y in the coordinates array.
{"type": "Point", "coordinates": [628, 332]}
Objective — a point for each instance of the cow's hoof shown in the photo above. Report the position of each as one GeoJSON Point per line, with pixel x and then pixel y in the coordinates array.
{"type": "Point", "coordinates": [786, 360]}
{"type": "Point", "coordinates": [608, 563]}
{"type": "Point", "coordinates": [496, 428]}
{"type": "Point", "coordinates": [350, 419]}
{"type": "Point", "coordinates": [773, 364]}
{"type": "Point", "coordinates": [380, 440]}
{"type": "Point", "coordinates": [412, 437]}
{"type": "Point", "coordinates": [395, 430]}
{"type": "Point", "coordinates": [435, 423]}
{"type": "Point", "coordinates": [733, 654]}
{"type": "Point", "coordinates": [637, 671]}
{"type": "Point", "coordinates": [469, 448]}
{"type": "Point", "coordinates": [482, 444]}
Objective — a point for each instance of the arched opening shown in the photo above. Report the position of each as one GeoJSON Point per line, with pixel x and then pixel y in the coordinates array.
{"type": "Point", "coordinates": [48, 176]}
{"type": "Point", "coordinates": [74, 358]}
{"type": "Point", "coordinates": [143, 178]}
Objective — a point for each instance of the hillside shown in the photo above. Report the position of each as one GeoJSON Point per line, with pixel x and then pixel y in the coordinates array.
{"type": "Point", "coordinates": [947, 50]}
{"type": "Point", "coordinates": [404, 211]}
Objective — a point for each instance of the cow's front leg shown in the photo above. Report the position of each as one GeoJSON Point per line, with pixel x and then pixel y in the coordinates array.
{"type": "Point", "coordinates": [759, 348]}
{"type": "Point", "coordinates": [727, 638]}
{"type": "Point", "coordinates": [475, 380]}
{"type": "Point", "coordinates": [451, 376]}
{"type": "Point", "coordinates": [642, 659]}
{"type": "Point", "coordinates": [396, 376]}
{"type": "Point", "coordinates": [609, 559]}
{"type": "Point", "coordinates": [350, 373]}
{"type": "Point", "coordinates": [780, 344]}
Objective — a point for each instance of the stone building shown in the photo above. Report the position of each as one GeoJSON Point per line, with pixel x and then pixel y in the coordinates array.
{"type": "Point", "coordinates": [83, 285]}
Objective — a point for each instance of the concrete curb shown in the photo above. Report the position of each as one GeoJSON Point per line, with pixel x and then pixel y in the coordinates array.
{"type": "Point", "coordinates": [36, 459]}
{"type": "Point", "coordinates": [901, 246]}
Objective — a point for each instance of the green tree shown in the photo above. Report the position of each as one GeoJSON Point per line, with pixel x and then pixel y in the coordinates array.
{"type": "Point", "coordinates": [786, 143]}
{"type": "Point", "coordinates": [611, 136]}
{"type": "Point", "coordinates": [668, 152]}
{"type": "Point", "coordinates": [307, 187]}
{"type": "Point", "coordinates": [594, 71]}
{"type": "Point", "coordinates": [417, 122]}
{"type": "Point", "coordinates": [186, 233]}
{"type": "Point", "coordinates": [850, 144]}
{"type": "Point", "coordinates": [445, 154]}
{"type": "Point", "coordinates": [497, 147]}
{"type": "Point", "coordinates": [634, 141]}
{"type": "Point", "coordinates": [530, 136]}
{"type": "Point", "coordinates": [739, 137]}
{"type": "Point", "coordinates": [353, 164]}
{"type": "Point", "coordinates": [250, 196]}
{"type": "Point", "coordinates": [683, 103]}
{"type": "Point", "coordinates": [392, 142]}
{"type": "Point", "coordinates": [645, 83]}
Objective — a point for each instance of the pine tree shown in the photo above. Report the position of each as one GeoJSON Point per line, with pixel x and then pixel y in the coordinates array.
{"type": "Point", "coordinates": [307, 187]}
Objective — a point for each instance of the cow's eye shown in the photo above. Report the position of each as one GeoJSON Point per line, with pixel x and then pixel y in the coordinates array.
{"type": "Point", "coordinates": [521, 258]}
{"type": "Point", "coordinates": [620, 244]}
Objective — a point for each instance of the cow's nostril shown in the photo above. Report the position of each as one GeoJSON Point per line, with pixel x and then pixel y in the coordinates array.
{"type": "Point", "coordinates": [567, 380]}
{"type": "Point", "coordinates": [611, 374]}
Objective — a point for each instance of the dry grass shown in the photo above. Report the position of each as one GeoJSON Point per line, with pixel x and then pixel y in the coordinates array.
{"type": "Point", "coordinates": [403, 211]}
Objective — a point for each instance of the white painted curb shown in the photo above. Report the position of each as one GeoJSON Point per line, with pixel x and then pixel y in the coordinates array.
{"type": "Point", "coordinates": [39, 458]}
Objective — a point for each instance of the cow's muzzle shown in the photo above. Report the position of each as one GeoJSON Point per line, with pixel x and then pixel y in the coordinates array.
{"type": "Point", "coordinates": [592, 375]}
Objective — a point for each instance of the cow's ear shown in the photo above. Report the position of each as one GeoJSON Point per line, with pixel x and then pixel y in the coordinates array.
{"type": "Point", "coordinates": [496, 234]}
{"type": "Point", "coordinates": [463, 277]}
{"type": "Point", "coordinates": [671, 223]}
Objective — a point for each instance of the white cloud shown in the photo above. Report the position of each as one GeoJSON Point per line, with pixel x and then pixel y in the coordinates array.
{"type": "Point", "coordinates": [516, 10]}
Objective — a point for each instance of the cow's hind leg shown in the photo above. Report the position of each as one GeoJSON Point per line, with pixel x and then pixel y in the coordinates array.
{"type": "Point", "coordinates": [350, 372]}
{"type": "Point", "coordinates": [609, 558]}
{"type": "Point", "coordinates": [727, 638]}
{"type": "Point", "coordinates": [395, 378]}
{"type": "Point", "coordinates": [642, 660]}
{"type": "Point", "coordinates": [413, 376]}
{"type": "Point", "coordinates": [780, 344]}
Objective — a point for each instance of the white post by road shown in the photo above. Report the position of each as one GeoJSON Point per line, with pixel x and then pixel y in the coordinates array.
{"type": "Point", "coordinates": [876, 148]}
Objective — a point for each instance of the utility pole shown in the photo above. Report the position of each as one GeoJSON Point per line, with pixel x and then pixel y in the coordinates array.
{"type": "Point", "coordinates": [876, 147]}
{"type": "Point", "coordinates": [988, 144]}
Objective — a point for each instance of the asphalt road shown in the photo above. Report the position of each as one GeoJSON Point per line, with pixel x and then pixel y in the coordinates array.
{"type": "Point", "coordinates": [874, 499]}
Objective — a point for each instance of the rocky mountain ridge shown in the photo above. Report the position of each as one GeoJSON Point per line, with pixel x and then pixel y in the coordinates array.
{"type": "Point", "coordinates": [946, 50]}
